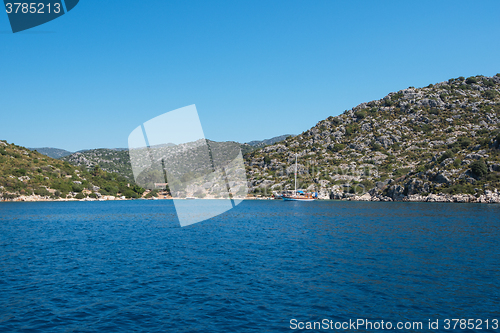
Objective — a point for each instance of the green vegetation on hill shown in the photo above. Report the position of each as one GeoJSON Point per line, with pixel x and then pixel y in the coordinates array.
{"type": "Point", "coordinates": [29, 173]}
{"type": "Point", "coordinates": [443, 138]}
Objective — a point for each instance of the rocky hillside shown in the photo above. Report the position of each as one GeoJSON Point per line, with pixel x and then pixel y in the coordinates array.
{"type": "Point", "coordinates": [438, 143]}
{"type": "Point", "coordinates": [29, 175]}
{"type": "Point", "coordinates": [118, 160]}
{"type": "Point", "coordinates": [109, 160]}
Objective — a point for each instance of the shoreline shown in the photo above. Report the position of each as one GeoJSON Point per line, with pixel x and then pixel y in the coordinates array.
{"type": "Point", "coordinates": [490, 197]}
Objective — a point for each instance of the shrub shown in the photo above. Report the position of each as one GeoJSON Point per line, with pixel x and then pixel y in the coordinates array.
{"type": "Point", "coordinates": [490, 94]}
{"type": "Point", "coordinates": [447, 154]}
{"type": "Point", "coordinates": [376, 146]}
{"type": "Point", "coordinates": [77, 188]}
{"type": "Point", "coordinates": [464, 142]}
{"type": "Point", "coordinates": [335, 121]}
{"type": "Point", "coordinates": [267, 160]}
{"type": "Point", "coordinates": [360, 114]}
{"type": "Point", "coordinates": [420, 168]}
{"type": "Point", "coordinates": [338, 147]}
{"type": "Point", "coordinates": [20, 172]}
{"type": "Point", "coordinates": [426, 128]}
{"type": "Point", "coordinates": [479, 168]}
{"type": "Point", "coordinates": [351, 129]}
{"type": "Point", "coordinates": [41, 191]}
{"type": "Point", "coordinates": [471, 80]}
{"type": "Point", "coordinates": [129, 194]}
{"type": "Point", "coordinates": [401, 172]}
{"type": "Point", "coordinates": [388, 102]}
{"type": "Point", "coordinates": [488, 82]}
{"type": "Point", "coordinates": [79, 196]}
{"type": "Point", "coordinates": [151, 194]}
{"type": "Point", "coordinates": [484, 142]}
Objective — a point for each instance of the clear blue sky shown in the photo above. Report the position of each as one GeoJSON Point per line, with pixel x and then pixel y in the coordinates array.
{"type": "Point", "coordinates": [254, 69]}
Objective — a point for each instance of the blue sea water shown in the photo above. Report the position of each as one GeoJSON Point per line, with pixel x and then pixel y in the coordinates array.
{"type": "Point", "coordinates": [129, 267]}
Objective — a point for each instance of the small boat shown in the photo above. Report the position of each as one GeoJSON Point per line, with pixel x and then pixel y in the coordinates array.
{"type": "Point", "coordinates": [299, 195]}
{"type": "Point", "coordinates": [190, 198]}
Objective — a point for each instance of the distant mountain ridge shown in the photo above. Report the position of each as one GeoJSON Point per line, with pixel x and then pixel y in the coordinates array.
{"type": "Point", "coordinates": [59, 153]}
{"type": "Point", "coordinates": [52, 152]}
{"type": "Point", "coordinates": [266, 142]}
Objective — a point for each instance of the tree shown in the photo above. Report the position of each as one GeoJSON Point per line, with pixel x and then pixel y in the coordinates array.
{"type": "Point", "coordinates": [137, 189]}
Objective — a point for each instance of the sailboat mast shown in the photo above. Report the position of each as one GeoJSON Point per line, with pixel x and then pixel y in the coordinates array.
{"type": "Point", "coordinates": [295, 174]}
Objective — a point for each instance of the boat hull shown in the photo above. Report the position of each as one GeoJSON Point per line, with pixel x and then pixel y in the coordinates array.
{"type": "Point", "coordinates": [298, 199]}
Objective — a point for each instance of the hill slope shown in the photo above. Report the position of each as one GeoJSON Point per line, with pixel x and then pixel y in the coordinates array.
{"type": "Point", "coordinates": [30, 175]}
{"type": "Point", "coordinates": [428, 144]}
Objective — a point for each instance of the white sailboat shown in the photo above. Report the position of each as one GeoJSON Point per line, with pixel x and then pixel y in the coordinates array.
{"type": "Point", "coordinates": [298, 195]}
